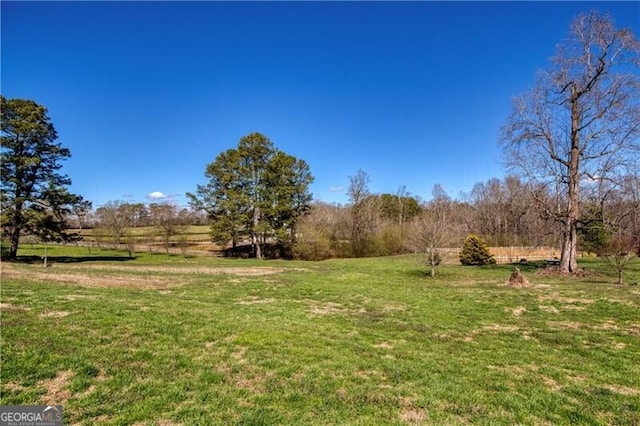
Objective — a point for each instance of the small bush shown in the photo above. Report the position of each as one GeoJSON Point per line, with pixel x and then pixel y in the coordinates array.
{"type": "Point", "coordinates": [312, 245]}
{"type": "Point", "coordinates": [475, 252]}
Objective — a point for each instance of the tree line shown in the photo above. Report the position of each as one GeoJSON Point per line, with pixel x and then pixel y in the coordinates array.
{"type": "Point", "coordinates": [571, 145]}
{"type": "Point", "coordinates": [500, 211]}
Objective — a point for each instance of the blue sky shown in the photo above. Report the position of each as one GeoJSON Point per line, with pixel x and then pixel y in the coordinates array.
{"type": "Point", "coordinates": [145, 94]}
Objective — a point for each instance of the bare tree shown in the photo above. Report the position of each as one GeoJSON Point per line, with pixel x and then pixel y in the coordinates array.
{"type": "Point", "coordinates": [615, 216]}
{"type": "Point", "coordinates": [428, 235]}
{"type": "Point", "coordinates": [170, 220]}
{"type": "Point", "coordinates": [580, 122]}
{"type": "Point", "coordinates": [365, 212]}
{"type": "Point", "coordinates": [114, 218]}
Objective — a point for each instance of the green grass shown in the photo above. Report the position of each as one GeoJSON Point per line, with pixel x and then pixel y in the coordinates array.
{"type": "Point", "coordinates": [167, 340]}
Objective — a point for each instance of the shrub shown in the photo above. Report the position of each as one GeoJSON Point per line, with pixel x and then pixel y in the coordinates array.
{"type": "Point", "coordinates": [312, 244]}
{"type": "Point", "coordinates": [475, 252]}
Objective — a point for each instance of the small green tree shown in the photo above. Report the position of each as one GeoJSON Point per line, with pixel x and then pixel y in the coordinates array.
{"type": "Point", "coordinates": [475, 252]}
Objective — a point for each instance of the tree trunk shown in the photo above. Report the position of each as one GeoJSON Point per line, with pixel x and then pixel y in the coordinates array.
{"type": "Point", "coordinates": [619, 274]}
{"type": "Point", "coordinates": [568, 260]}
{"type": "Point", "coordinates": [15, 240]}
{"type": "Point", "coordinates": [254, 234]}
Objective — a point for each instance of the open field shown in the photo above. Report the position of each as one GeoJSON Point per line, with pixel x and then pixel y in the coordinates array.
{"type": "Point", "coordinates": [198, 241]}
{"type": "Point", "coordinates": [167, 340]}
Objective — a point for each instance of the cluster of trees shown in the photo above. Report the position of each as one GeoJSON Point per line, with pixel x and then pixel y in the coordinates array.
{"type": "Point", "coordinates": [115, 222]}
{"type": "Point", "coordinates": [571, 143]}
{"type": "Point", "coordinates": [255, 192]}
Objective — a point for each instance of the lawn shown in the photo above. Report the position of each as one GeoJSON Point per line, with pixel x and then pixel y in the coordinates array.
{"type": "Point", "coordinates": [167, 340]}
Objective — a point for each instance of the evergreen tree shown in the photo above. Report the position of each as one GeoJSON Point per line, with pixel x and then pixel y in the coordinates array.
{"type": "Point", "coordinates": [33, 192]}
{"type": "Point", "coordinates": [256, 192]}
{"type": "Point", "coordinates": [475, 252]}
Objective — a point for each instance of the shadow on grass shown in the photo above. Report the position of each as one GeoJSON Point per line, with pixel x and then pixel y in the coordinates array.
{"type": "Point", "coordinates": [524, 266]}
{"type": "Point", "coordinates": [506, 267]}
{"type": "Point", "coordinates": [70, 259]}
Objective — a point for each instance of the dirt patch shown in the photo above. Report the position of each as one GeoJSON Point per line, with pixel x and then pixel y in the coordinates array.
{"type": "Point", "coordinates": [57, 392]}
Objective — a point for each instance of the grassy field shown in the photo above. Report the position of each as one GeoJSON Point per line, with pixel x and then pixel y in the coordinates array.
{"type": "Point", "coordinates": [167, 340]}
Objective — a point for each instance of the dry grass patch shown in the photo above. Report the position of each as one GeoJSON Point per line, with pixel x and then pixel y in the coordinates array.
{"type": "Point", "coordinates": [76, 297]}
{"type": "Point", "coordinates": [550, 309]}
{"type": "Point", "coordinates": [413, 415]}
{"type": "Point", "coordinates": [394, 307]}
{"type": "Point", "coordinates": [11, 307]}
{"type": "Point", "coordinates": [564, 325]}
{"type": "Point", "coordinates": [326, 308]}
{"type": "Point", "coordinates": [192, 270]}
{"type": "Point", "coordinates": [551, 384]}
{"type": "Point", "coordinates": [516, 311]}
{"type": "Point", "coordinates": [55, 275]}
{"type": "Point", "coordinates": [54, 314]}
{"type": "Point", "coordinates": [499, 328]}
{"type": "Point", "coordinates": [254, 300]}
{"type": "Point", "coordinates": [622, 390]}
{"type": "Point", "coordinates": [13, 386]}
{"type": "Point", "coordinates": [57, 392]}
{"type": "Point", "coordinates": [608, 325]}
{"type": "Point", "coordinates": [562, 299]}
{"type": "Point", "coordinates": [126, 275]}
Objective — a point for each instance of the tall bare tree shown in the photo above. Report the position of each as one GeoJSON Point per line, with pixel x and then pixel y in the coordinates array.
{"type": "Point", "coordinates": [432, 230]}
{"type": "Point", "coordinates": [113, 217]}
{"type": "Point", "coordinates": [365, 212]}
{"type": "Point", "coordinates": [580, 122]}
